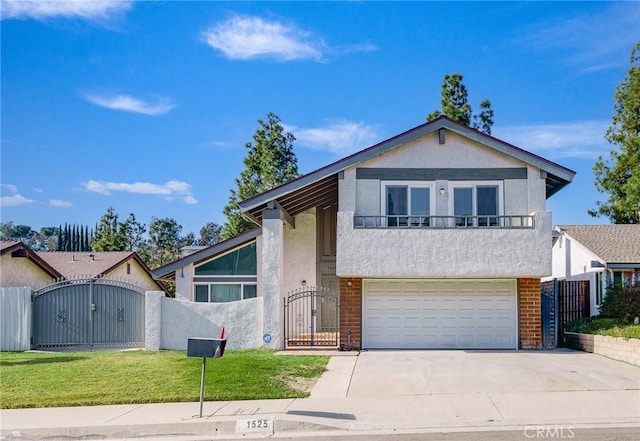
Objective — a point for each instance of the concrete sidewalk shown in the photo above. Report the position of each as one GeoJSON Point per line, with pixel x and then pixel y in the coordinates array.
{"type": "Point", "coordinates": [340, 402]}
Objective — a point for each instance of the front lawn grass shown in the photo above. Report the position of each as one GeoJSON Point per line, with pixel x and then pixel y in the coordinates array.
{"type": "Point", "coordinates": [46, 379]}
{"type": "Point", "coordinates": [605, 326]}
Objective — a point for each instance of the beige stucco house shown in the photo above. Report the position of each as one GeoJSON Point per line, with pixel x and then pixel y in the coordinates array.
{"type": "Point", "coordinates": [435, 238]}
{"type": "Point", "coordinates": [19, 266]}
{"type": "Point", "coordinates": [22, 267]}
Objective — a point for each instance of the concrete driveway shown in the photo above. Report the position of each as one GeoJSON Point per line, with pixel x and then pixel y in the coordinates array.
{"type": "Point", "coordinates": [377, 374]}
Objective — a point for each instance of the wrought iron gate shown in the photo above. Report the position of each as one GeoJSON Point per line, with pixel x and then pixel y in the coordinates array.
{"type": "Point", "coordinates": [548, 309]}
{"type": "Point", "coordinates": [88, 313]}
{"type": "Point", "coordinates": [311, 318]}
{"type": "Point", "coordinates": [562, 302]}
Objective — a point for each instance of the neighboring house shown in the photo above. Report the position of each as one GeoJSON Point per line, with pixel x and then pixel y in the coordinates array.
{"type": "Point", "coordinates": [435, 238]}
{"type": "Point", "coordinates": [601, 254]}
{"type": "Point", "coordinates": [19, 266]}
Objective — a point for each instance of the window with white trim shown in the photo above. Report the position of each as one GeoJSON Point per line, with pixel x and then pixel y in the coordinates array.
{"type": "Point", "coordinates": [225, 292]}
{"type": "Point", "coordinates": [407, 203]}
{"type": "Point", "coordinates": [476, 204]}
{"type": "Point", "coordinates": [229, 277]}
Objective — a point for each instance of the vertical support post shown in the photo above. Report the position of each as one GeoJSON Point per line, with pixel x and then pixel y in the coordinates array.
{"type": "Point", "coordinates": [556, 312]}
{"type": "Point", "coordinates": [92, 309]}
{"type": "Point", "coordinates": [314, 311]}
{"type": "Point", "coordinates": [204, 367]}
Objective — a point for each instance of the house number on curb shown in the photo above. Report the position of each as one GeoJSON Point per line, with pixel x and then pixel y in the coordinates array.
{"type": "Point", "coordinates": [254, 425]}
{"type": "Point", "coordinates": [267, 338]}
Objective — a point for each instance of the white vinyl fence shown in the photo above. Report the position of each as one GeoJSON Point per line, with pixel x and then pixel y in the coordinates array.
{"type": "Point", "coordinates": [15, 319]}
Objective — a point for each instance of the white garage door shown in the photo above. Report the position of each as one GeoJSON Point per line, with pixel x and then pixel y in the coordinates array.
{"type": "Point", "coordinates": [463, 314]}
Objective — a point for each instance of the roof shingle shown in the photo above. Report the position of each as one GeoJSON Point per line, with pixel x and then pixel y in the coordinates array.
{"type": "Point", "coordinates": [618, 243]}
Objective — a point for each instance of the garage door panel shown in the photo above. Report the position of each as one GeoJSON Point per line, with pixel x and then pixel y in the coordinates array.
{"type": "Point", "coordinates": [443, 314]}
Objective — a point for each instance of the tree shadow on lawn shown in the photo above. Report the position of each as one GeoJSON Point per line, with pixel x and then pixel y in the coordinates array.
{"type": "Point", "coordinates": [40, 361]}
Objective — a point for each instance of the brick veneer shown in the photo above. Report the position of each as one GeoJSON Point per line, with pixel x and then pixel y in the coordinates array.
{"type": "Point", "coordinates": [350, 313]}
{"type": "Point", "coordinates": [529, 312]}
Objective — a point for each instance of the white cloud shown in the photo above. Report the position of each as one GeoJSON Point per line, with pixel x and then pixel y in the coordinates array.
{"type": "Point", "coordinates": [14, 199]}
{"type": "Point", "coordinates": [592, 42]}
{"type": "Point", "coordinates": [578, 139]}
{"type": "Point", "coordinates": [340, 137]}
{"type": "Point", "coordinates": [127, 103]}
{"type": "Point", "coordinates": [44, 9]}
{"type": "Point", "coordinates": [9, 188]}
{"type": "Point", "coordinates": [190, 200]}
{"type": "Point", "coordinates": [245, 37]}
{"type": "Point", "coordinates": [59, 203]}
{"type": "Point", "coordinates": [168, 189]}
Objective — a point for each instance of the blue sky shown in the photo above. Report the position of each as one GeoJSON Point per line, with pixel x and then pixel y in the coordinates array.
{"type": "Point", "coordinates": [147, 106]}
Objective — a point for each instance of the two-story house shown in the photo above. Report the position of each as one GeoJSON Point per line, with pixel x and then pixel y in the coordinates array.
{"type": "Point", "coordinates": [435, 238]}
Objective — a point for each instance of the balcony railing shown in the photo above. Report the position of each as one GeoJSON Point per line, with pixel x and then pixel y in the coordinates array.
{"type": "Point", "coordinates": [464, 222]}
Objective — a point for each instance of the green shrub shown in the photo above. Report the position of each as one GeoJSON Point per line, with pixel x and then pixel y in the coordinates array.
{"type": "Point", "coordinates": [611, 327]}
{"type": "Point", "coordinates": [621, 301]}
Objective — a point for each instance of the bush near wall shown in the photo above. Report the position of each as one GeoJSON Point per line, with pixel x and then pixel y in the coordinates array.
{"type": "Point", "coordinates": [622, 301]}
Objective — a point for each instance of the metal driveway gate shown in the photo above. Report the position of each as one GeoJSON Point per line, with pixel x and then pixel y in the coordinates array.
{"type": "Point", "coordinates": [311, 318]}
{"type": "Point", "coordinates": [88, 313]}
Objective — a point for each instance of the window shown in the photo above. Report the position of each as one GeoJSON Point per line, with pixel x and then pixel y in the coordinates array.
{"type": "Point", "coordinates": [407, 204]}
{"type": "Point", "coordinates": [225, 292]}
{"type": "Point", "coordinates": [229, 277]}
{"type": "Point", "coordinates": [239, 262]}
{"type": "Point", "coordinates": [477, 204]}
{"type": "Point", "coordinates": [623, 277]}
{"type": "Point", "coordinates": [599, 288]}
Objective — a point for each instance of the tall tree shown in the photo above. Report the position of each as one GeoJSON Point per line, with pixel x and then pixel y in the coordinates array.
{"type": "Point", "coordinates": [164, 242]}
{"type": "Point", "coordinates": [620, 176]}
{"type": "Point", "coordinates": [210, 234]}
{"type": "Point", "coordinates": [270, 161]}
{"type": "Point", "coordinates": [455, 105]}
{"type": "Point", "coordinates": [109, 235]}
{"type": "Point", "coordinates": [133, 232]}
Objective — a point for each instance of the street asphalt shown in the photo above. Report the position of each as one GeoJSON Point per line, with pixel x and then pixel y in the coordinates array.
{"type": "Point", "coordinates": [379, 392]}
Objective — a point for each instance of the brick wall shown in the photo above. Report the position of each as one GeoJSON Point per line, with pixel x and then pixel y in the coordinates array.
{"type": "Point", "coordinates": [350, 312]}
{"type": "Point", "coordinates": [529, 312]}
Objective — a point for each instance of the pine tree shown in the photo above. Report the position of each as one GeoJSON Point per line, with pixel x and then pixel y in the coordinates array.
{"type": "Point", "coordinates": [455, 105]}
{"type": "Point", "coordinates": [270, 162]}
{"type": "Point", "coordinates": [109, 235]}
{"type": "Point", "coordinates": [620, 176]}
{"type": "Point", "coordinates": [59, 244]}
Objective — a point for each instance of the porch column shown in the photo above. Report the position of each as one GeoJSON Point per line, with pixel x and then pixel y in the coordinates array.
{"type": "Point", "coordinates": [272, 277]}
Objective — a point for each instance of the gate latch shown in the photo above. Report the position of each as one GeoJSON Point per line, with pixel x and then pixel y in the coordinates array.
{"type": "Point", "coordinates": [93, 306]}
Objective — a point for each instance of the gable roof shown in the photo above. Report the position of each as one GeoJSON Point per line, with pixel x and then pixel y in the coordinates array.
{"type": "Point", "coordinates": [618, 243]}
{"type": "Point", "coordinates": [321, 185]}
{"type": "Point", "coordinates": [76, 264]}
{"type": "Point", "coordinates": [207, 253]}
{"type": "Point", "coordinates": [18, 249]}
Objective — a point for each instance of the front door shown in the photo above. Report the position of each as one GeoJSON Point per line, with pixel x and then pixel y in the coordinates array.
{"type": "Point", "coordinates": [327, 224]}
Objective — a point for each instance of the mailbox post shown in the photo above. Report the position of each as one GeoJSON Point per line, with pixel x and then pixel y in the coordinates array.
{"type": "Point", "coordinates": [205, 348]}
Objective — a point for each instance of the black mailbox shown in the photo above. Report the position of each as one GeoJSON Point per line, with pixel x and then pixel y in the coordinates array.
{"type": "Point", "coordinates": [206, 347]}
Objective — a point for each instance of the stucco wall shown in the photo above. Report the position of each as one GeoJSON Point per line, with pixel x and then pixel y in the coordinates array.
{"type": "Point", "coordinates": [520, 196]}
{"type": "Point", "coordinates": [182, 319]}
{"type": "Point", "coordinates": [300, 254]}
{"type": "Point", "coordinates": [20, 271]}
{"type": "Point", "coordinates": [184, 282]}
{"type": "Point", "coordinates": [444, 252]}
{"type": "Point", "coordinates": [137, 276]}
{"type": "Point", "coordinates": [572, 261]}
